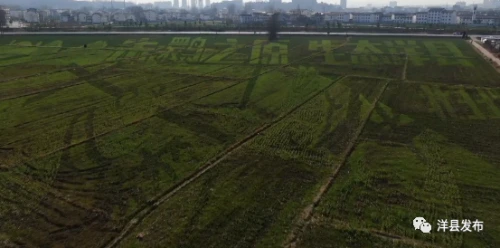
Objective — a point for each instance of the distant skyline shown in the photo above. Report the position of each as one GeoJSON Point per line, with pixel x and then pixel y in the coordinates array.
{"type": "Point", "coordinates": [358, 3]}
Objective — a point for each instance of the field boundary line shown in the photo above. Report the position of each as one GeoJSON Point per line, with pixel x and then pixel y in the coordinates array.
{"type": "Point", "coordinates": [49, 72]}
{"type": "Point", "coordinates": [152, 53]}
{"type": "Point", "coordinates": [182, 103]}
{"type": "Point", "coordinates": [467, 86]}
{"type": "Point", "coordinates": [342, 225]}
{"type": "Point", "coordinates": [141, 214]}
{"type": "Point", "coordinates": [78, 82]}
{"type": "Point", "coordinates": [305, 216]}
{"type": "Point", "coordinates": [206, 74]}
{"type": "Point", "coordinates": [403, 76]}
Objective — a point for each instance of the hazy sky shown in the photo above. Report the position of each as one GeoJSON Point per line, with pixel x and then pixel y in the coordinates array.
{"type": "Point", "coordinates": [357, 3]}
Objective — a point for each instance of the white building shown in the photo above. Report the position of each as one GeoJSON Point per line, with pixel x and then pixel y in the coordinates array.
{"type": "Point", "coordinates": [81, 17]}
{"type": "Point", "coordinates": [261, 17]}
{"type": "Point", "coordinates": [32, 16]}
{"type": "Point", "coordinates": [387, 18]}
{"type": "Point", "coordinates": [466, 19]}
{"type": "Point", "coordinates": [119, 16]}
{"type": "Point", "coordinates": [366, 17]}
{"type": "Point", "coordinates": [404, 18]}
{"type": "Point", "coordinates": [337, 17]}
{"type": "Point", "coordinates": [421, 17]}
{"type": "Point", "coordinates": [98, 18]}
{"type": "Point", "coordinates": [65, 16]}
{"type": "Point", "coordinates": [151, 15]}
{"type": "Point", "coordinates": [246, 18]}
{"type": "Point", "coordinates": [442, 16]}
{"type": "Point", "coordinates": [163, 16]}
{"type": "Point", "coordinates": [18, 14]}
{"type": "Point", "coordinates": [449, 17]}
{"type": "Point", "coordinates": [204, 17]}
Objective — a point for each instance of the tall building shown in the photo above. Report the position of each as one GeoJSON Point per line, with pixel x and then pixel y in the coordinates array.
{"type": "Point", "coordinates": [305, 4]}
{"type": "Point", "coordinates": [393, 4]}
{"type": "Point", "coordinates": [193, 4]}
{"type": "Point", "coordinates": [207, 3]}
{"type": "Point", "coordinates": [184, 4]}
{"type": "Point", "coordinates": [176, 4]}
{"type": "Point", "coordinates": [343, 4]}
{"type": "Point", "coordinates": [200, 4]}
{"type": "Point", "coordinates": [7, 14]}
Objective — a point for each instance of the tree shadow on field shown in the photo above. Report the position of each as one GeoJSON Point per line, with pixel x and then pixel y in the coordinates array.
{"type": "Point", "coordinates": [250, 86]}
{"type": "Point", "coordinates": [336, 139]}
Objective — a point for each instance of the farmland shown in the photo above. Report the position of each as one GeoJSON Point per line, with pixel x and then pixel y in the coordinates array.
{"type": "Point", "coordinates": [234, 141]}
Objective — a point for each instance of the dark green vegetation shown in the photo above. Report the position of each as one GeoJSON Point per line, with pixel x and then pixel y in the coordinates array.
{"type": "Point", "coordinates": [220, 141]}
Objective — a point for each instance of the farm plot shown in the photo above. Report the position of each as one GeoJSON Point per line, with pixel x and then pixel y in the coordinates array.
{"type": "Point", "coordinates": [116, 174]}
{"type": "Point", "coordinates": [220, 141]}
{"type": "Point", "coordinates": [420, 155]}
{"type": "Point", "coordinates": [419, 59]}
{"type": "Point", "coordinates": [252, 198]}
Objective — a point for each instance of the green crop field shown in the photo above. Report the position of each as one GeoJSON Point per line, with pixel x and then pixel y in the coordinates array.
{"type": "Point", "coordinates": [233, 141]}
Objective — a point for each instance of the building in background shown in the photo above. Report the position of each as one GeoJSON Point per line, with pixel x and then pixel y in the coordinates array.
{"type": "Point", "coordinates": [366, 17]}
{"type": "Point", "coordinates": [207, 3]}
{"type": "Point", "coordinates": [343, 4]}
{"type": "Point", "coordinates": [404, 18]}
{"type": "Point", "coordinates": [442, 16]}
{"type": "Point", "coordinates": [200, 4]}
{"type": "Point", "coordinates": [393, 4]}
{"type": "Point", "coordinates": [338, 17]}
{"type": "Point", "coordinates": [193, 4]}
{"type": "Point", "coordinates": [151, 15]}
{"type": "Point", "coordinates": [387, 18]}
{"type": "Point", "coordinates": [176, 4]}
{"type": "Point", "coordinates": [421, 17]}
{"type": "Point", "coordinates": [184, 4]}
{"type": "Point", "coordinates": [31, 15]}
{"type": "Point", "coordinates": [7, 14]}
{"type": "Point", "coordinates": [99, 17]}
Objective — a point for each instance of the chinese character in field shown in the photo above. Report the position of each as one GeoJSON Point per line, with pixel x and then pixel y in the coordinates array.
{"type": "Point", "coordinates": [269, 53]}
{"type": "Point", "coordinates": [454, 227]}
{"type": "Point", "coordinates": [442, 225]}
{"type": "Point", "coordinates": [180, 42]}
{"type": "Point", "coordinates": [477, 225]}
{"type": "Point", "coordinates": [466, 226]}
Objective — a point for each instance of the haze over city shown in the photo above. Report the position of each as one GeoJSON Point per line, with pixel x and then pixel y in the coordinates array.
{"type": "Point", "coordinates": [361, 3]}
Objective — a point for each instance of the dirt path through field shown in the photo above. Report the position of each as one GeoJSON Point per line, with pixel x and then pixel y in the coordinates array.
{"type": "Point", "coordinates": [209, 165]}
{"type": "Point", "coordinates": [403, 76]}
{"type": "Point", "coordinates": [341, 225]}
{"type": "Point", "coordinates": [305, 217]}
{"type": "Point", "coordinates": [486, 53]}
